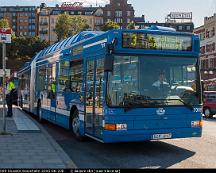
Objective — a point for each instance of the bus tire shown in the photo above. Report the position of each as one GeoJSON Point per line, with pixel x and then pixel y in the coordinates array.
{"type": "Point", "coordinates": [75, 125]}
{"type": "Point", "coordinates": [39, 112]}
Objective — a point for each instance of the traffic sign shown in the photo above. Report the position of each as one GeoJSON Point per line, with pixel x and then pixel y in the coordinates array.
{"type": "Point", "coordinates": [7, 72]}
{"type": "Point", "coordinates": [5, 35]}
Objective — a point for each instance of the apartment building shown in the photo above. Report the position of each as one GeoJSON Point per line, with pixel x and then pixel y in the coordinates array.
{"type": "Point", "coordinates": [22, 19]}
{"type": "Point", "coordinates": [120, 12]}
{"type": "Point", "coordinates": [207, 36]}
{"type": "Point", "coordinates": [48, 17]}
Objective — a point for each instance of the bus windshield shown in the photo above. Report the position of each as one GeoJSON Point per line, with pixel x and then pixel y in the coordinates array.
{"type": "Point", "coordinates": [151, 81]}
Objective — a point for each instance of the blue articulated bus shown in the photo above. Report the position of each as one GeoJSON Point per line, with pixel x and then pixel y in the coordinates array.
{"type": "Point", "coordinates": [119, 85]}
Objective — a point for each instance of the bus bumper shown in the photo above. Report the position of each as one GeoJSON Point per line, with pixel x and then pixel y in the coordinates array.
{"type": "Point", "coordinates": [146, 135]}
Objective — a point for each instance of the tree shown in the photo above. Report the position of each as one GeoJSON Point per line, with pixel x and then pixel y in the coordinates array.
{"type": "Point", "coordinates": [23, 49]}
{"type": "Point", "coordinates": [4, 23]}
{"type": "Point", "coordinates": [69, 25]}
{"type": "Point", "coordinates": [131, 25]}
{"type": "Point", "coordinates": [110, 25]}
{"type": "Point", "coordinates": [63, 26]}
{"type": "Point", "coordinates": [78, 24]}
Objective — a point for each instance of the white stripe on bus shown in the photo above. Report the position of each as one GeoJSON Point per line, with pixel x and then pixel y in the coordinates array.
{"type": "Point", "coordinates": [96, 43]}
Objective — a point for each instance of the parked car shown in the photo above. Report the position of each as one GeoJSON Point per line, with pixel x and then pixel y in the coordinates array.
{"type": "Point", "coordinates": [209, 103]}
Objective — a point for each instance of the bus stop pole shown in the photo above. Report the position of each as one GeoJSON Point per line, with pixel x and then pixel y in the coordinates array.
{"type": "Point", "coordinates": [4, 88]}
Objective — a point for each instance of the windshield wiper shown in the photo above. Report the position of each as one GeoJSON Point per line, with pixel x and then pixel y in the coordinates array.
{"type": "Point", "coordinates": [131, 106]}
{"type": "Point", "coordinates": [189, 106]}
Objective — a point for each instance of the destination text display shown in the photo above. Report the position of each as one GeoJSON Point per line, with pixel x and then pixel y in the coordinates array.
{"type": "Point", "coordinates": [156, 41]}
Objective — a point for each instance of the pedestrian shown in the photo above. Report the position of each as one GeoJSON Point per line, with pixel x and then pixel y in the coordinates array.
{"type": "Point", "coordinates": [9, 96]}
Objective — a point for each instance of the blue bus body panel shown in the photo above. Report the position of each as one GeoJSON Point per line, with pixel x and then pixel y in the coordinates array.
{"type": "Point", "coordinates": [141, 123]}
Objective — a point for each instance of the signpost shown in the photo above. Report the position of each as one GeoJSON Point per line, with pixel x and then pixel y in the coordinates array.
{"type": "Point", "coordinates": [5, 37]}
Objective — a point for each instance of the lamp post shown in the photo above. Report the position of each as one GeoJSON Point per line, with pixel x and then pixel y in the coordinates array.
{"type": "Point", "coordinates": [5, 37]}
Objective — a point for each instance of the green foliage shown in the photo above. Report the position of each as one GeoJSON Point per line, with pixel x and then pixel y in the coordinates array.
{"type": "Point", "coordinates": [23, 49]}
{"type": "Point", "coordinates": [110, 25]}
{"type": "Point", "coordinates": [69, 25]}
{"type": "Point", "coordinates": [63, 26]}
{"type": "Point", "coordinates": [131, 25]}
{"type": "Point", "coordinates": [4, 23]}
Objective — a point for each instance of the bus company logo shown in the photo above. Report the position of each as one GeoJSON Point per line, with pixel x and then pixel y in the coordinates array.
{"type": "Point", "coordinates": [160, 111]}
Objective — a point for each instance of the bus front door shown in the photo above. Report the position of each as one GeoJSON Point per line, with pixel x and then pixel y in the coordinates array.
{"type": "Point", "coordinates": [94, 94]}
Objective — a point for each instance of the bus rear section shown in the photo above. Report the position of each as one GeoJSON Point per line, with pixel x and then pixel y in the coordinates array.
{"type": "Point", "coordinates": [152, 97]}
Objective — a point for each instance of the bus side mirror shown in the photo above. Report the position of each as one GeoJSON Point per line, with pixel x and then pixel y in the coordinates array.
{"type": "Point", "coordinates": [108, 64]}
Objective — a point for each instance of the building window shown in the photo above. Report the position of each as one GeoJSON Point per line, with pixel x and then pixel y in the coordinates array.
{"type": "Point", "coordinates": [108, 13]}
{"type": "Point", "coordinates": [188, 28]}
{"type": "Point", "coordinates": [180, 28]}
{"type": "Point", "coordinates": [118, 4]}
{"type": "Point", "coordinates": [128, 20]}
{"type": "Point", "coordinates": [21, 33]}
{"type": "Point", "coordinates": [79, 12]}
{"type": "Point", "coordinates": [108, 20]}
{"type": "Point", "coordinates": [128, 13]}
{"type": "Point", "coordinates": [21, 27]}
{"type": "Point", "coordinates": [118, 13]}
{"type": "Point", "coordinates": [118, 20]}
{"type": "Point", "coordinates": [53, 20]}
{"type": "Point", "coordinates": [88, 13]}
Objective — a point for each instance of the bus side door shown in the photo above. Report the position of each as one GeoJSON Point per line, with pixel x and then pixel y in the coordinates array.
{"type": "Point", "coordinates": [94, 97]}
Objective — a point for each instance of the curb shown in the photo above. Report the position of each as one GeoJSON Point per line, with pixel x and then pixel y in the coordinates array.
{"type": "Point", "coordinates": [61, 153]}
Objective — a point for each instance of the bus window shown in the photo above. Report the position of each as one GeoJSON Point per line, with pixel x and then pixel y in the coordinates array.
{"type": "Point", "coordinates": [63, 79]}
{"type": "Point", "coordinates": [76, 75]}
{"type": "Point", "coordinates": [99, 96]}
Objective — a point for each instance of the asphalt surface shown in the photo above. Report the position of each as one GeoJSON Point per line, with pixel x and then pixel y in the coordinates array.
{"type": "Point", "coordinates": [175, 153]}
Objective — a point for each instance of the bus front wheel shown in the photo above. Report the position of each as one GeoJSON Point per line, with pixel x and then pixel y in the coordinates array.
{"type": "Point", "coordinates": [75, 125]}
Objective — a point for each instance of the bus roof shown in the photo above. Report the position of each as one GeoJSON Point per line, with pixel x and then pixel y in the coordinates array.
{"type": "Point", "coordinates": [86, 35]}
{"type": "Point", "coordinates": [68, 42]}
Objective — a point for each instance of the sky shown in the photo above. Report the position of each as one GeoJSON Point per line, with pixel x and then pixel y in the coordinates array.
{"type": "Point", "coordinates": [154, 10]}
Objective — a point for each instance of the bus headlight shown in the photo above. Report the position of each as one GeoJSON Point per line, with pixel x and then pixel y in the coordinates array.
{"type": "Point", "coordinates": [197, 123]}
{"type": "Point", "coordinates": [115, 127]}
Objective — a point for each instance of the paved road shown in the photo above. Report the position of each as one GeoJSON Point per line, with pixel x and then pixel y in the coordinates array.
{"type": "Point", "coordinates": [177, 153]}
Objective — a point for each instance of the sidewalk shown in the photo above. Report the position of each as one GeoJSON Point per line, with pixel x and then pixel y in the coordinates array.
{"type": "Point", "coordinates": [29, 145]}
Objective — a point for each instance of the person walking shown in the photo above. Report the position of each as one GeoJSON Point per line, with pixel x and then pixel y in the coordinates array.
{"type": "Point", "coordinates": [9, 96]}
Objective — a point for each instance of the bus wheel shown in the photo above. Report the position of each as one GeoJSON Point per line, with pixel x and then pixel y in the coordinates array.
{"type": "Point", "coordinates": [76, 125]}
{"type": "Point", "coordinates": [39, 112]}
{"type": "Point", "coordinates": [207, 113]}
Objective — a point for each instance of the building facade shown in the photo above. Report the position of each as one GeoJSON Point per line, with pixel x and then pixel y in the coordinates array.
{"type": "Point", "coordinates": [180, 27]}
{"type": "Point", "coordinates": [48, 18]}
{"type": "Point", "coordinates": [119, 11]}
{"type": "Point", "coordinates": [181, 22]}
{"type": "Point", "coordinates": [207, 36]}
{"type": "Point", "coordinates": [22, 19]}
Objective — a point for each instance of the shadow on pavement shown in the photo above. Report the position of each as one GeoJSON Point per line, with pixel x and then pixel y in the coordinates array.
{"type": "Point", "coordinates": [92, 154]}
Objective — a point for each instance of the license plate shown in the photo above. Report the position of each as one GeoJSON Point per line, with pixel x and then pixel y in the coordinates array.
{"type": "Point", "coordinates": [162, 136]}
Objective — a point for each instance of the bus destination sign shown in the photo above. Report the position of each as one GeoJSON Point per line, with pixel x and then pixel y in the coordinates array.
{"type": "Point", "coordinates": [156, 42]}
